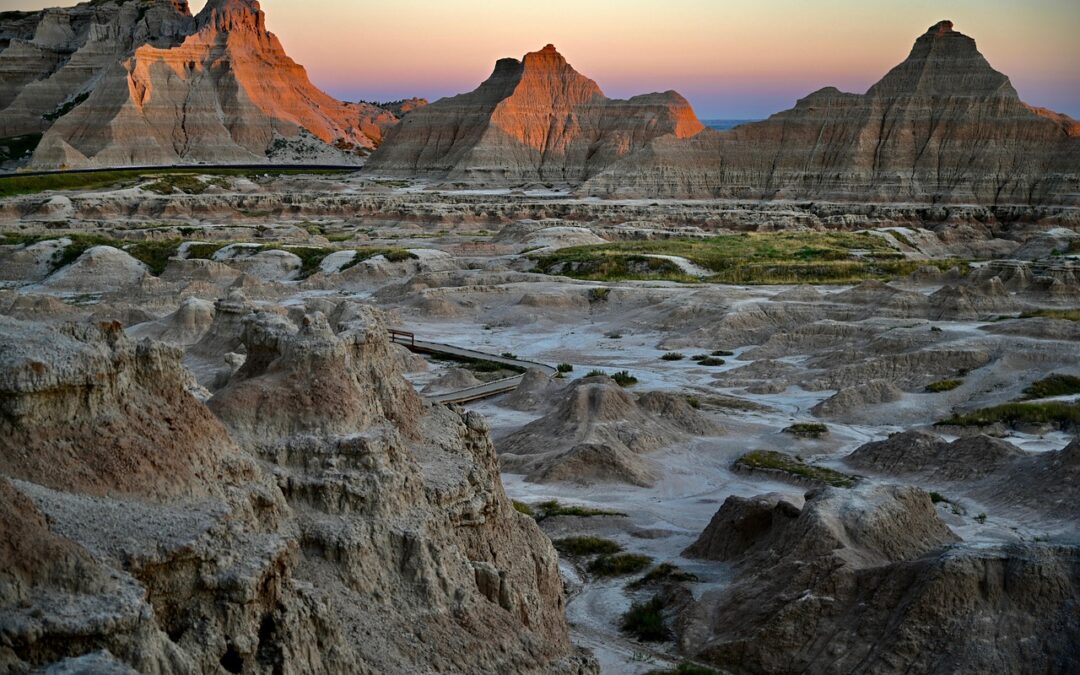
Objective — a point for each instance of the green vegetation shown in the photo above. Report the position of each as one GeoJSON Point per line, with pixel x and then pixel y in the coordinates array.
{"type": "Point", "coordinates": [1054, 384]}
{"type": "Point", "coordinates": [186, 183]}
{"type": "Point", "coordinates": [938, 498]}
{"type": "Point", "coordinates": [522, 507]}
{"type": "Point", "coordinates": [943, 385]}
{"type": "Point", "coordinates": [96, 180]}
{"type": "Point", "coordinates": [552, 508]}
{"type": "Point", "coordinates": [699, 357]}
{"type": "Point", "coordinates": [618, 564]}
{"type": "Point", "coordinates": [749, 258]}
{"type": "Point", "coordinates": [17, 147]}
{"type": "Point", "coordinates": [694, 402]}
{"type": "Point", "coordinates": [722, 352]}
{"type": "Point", "coordinates": [583, 546]}
{"type": "Point", "coordinates": [596, 372]}
{"type": "Point", "coordinates": [673, 356]}
{"type": "Point", "coordinates": [645, 621]}
{"type": "Point", "coordinates": [66, 107]}
{"type": "Point", "coordinates": [662, 573]}
{"type": "Point", "coordinates": [613, 335]}
{"type": "Point", "coordinates": [310, 256]}
{"type": "Point", "coordinates": [1064, 314]}
{"type": "Point", "coordinates": [509, 355]}
{"type": "Point", "coordinates": [564, 368]}
{"type": "Point", "coordinates": [154, 254]}
{"type": "Point", "coordinates": [807, 430]}
{"type": "Point", "coordinates": [1063, 415]}
{"type": "Point", "coordinates": [623, 378]}
{"type": "Point", "coordinates": [981, 518]}
{"type": "Point", "coordinates": [711, 361]}
{"type": "Point", "coordinates": [599, 294]}
{"type": "Point", "coordinates": [770, 460]}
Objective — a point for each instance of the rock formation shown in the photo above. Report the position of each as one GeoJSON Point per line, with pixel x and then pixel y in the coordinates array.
{"type": "Point", "coordinates": [943, 126]}
{"type": "Point", "coordinates": [536, 119]}
{"type": "Point", "coordinates": [871, 580]}
{"type": "Point", "coordinates": [132, 83]}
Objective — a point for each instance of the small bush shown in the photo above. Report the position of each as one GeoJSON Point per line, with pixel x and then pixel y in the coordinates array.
{"type": "Point", "coordinates": [981, 518]}
{"type": "Point", "coordinates": [807, 430]}
{"type": "Point", "coordinates": [522, 507]}
{"type": "Point", "coordinates": [943, 385]}
{"type": "Point", "coordinates": [699, 357]}
{"type": "Point", "coordinates": [1058, 413]}
{"type": "Point", "coordinates": [596, 372]}
{"type": "Point", "coordinates": [645, 621]}
{"type": "Point", "coordinates": [552, 508]}
{"type": "Point", "coordinates": [722, 352]}
{"type": "Point", "coordinates": [565, 368]}
{"type": "Point", "coordinates": [509, 355]}
{"type": "Point", "coordinates": [583, 546]}
{"type": "Point", "coordinates": [619, 564]}
{"type": "Point", "coordinates": [694, 402]}
{"type": "Point", "coordinates": [613, 335]}
{"type": "Point", "coordinates": [673, 356]}
{"type": "Point", "coordinates": [624, 379]}
{"type": "Point", "coordinates": [937, 498]}
{"type": "Point", "coordinates": [599, 294]}
{"type": "Point", "coordinates": [1053, 385]}
{"type": "Point", "coordinates": [711, 361]}
{"type": "Point", "coordinates": [663, 573]}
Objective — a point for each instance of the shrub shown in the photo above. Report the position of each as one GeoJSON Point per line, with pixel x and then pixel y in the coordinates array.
{"type": "Point", "coordinates": [694, 402]}
{"type": "Point", "coordinates": [807, 430]}
{"type": "Point", "coordinates": [509, 355]}
{"type": "Point", "coordinates": [981, 518]}
{"type": "Point", "coordinates": [937, 498]}
{"type": "Point", "coordinates": [673, 356]}
{"type": "Point", "coordinates": [645, 621]}
{"type": "Point", "coordinates": [663, 573]}
{"type": "Point", "coordinates": [1053, 385]}
{"type": "Point", "coordinates": [552, 508]}
{"type": "Point", "coordinates": [565, 368]}
{"type": "Point", "coordinates": [596, 372]}
{"type": "Point", "coordinates": [624, 379]}
{"type": "Point", "coordinates": [699, 357]}
{"type": "Point", "coordinates": [711, 361]}
{"type": "Point", "coordinates": [722, 352]}
{"type": "Point", "coordinates": [522, 507]}
{"type": "Point", "coordinates": [619, 564]}
{"type": "Point", "coordinates": [613, 335]}
{"type": "Point", "coordinates": [1058, 413]}
{"type": "Point", "coordinates": [770, 460]}
{"type": "Point", "coordinates": [599, 294]}
{"type": "Point", "coordinates": [943, 385]}
{"type": "Point", "coordinates": [582, 546]}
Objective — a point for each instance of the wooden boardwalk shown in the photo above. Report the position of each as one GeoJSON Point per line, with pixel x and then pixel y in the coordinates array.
{"type": "Point", "coordinates": [480, 391]}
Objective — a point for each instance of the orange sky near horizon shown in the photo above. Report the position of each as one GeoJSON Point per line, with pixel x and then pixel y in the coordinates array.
{"type": "Point", "coordinates": [731, 59]}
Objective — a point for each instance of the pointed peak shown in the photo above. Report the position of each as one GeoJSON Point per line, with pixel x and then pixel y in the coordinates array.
{"type": "Point", "coordinates": [549, 48]}
{"type": "Point", "coordinates": [227, 15]}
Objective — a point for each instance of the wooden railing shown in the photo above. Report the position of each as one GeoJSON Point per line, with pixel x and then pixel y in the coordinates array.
{"type": "Point", "coordinates": [403, 337]}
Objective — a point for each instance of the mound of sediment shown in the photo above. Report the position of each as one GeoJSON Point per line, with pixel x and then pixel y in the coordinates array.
{"type": "Point", "coordinates": [184, 327]}
{"type": "Point", "coordinates": [912, 452]}
{"type": "Point", "coordinates": [537, 391]}
{"type": "Point", "coordinates": [87, 409]}
{"type": "Point", "coordinates": [873, 569]}
{"type": "Point", "coordinates": [740, 524]}
{"type": "Point", "coordinates": [854, 399]}
{"type": "Point", "coordinates": [452, 380]}
{"type": "Point", "coordinates": [99, 270]}
{"type": "Point", "coordinates": [600, 429]}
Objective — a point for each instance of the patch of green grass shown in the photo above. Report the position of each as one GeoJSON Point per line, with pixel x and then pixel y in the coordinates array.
{"type": "Point", "coordinates": [943, 385]}
{"type": "Point", "coordinates": [694, 402]}
{"type": "Point", "coordinates": [711, 361]}
{"type": "Point", "coordinates": [623, 378]}
{"type": "Point", "coordinates": [749, 258]}
{"type": "Point", "coordinates": [565, 368]}
{"type": "Point", "coordinates": [662, 573]}
{"type": "Point", "coordinates": [807, 430]}
{"type": "Point", "coordinates": [784, 463]}
{"type": "Point", "coordinates": [673, 356]}
{"type": "Point", "coordinates": [553, 507]}
{"type": "Point", "coordinates": [599, 294]}
{"type": "Point", "coordinates": [645, 621]}
{"type": "Point", "coordinates": [154, 254]}
{"type": "Point", "coordinates": [1060, 414]}
{"type": "Point", "coordinates": [204, 251]}
{"type": "Point", "coordinates": [584, 546]}
{"type": "Point", "coordinates": [1054, 384]}
{"type": "Point", "coordinates": [596, 372]}
{"type": "Point", "coordinates": [96, 180]}
{"type": "Point", "coordinates": [1063, 314]}
{"type": "Point", "coordinates": [479, 365]}
{"type": "Point", "coordinates": [618, 564]}
{"type": "Point", "coordinates": [185, 183]}
{"type": "Point", "coordinates": [938, 498]}
{"type": "Point", "coordinates": [522, 507]}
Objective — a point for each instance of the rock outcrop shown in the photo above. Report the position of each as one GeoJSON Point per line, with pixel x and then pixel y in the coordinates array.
{"type": "Point", "coordinates": [169, 88]}
{"type": "Point", "coordinates": [943, 126]}
{"type": "Point", "coordinates": [533, 120]}
{"type": "Point", "coordinates": [871, 580]}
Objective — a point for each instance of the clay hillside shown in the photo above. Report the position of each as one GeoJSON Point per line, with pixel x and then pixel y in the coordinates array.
{"type": "Point", "coordinates": [536, 119]}
{"type": "Point", "coordinates": [943, 126]}
{"type": "Point", "coordinates": [143, 82]}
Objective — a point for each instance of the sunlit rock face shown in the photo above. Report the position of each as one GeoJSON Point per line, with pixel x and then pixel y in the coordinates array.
{"type": "Point", "coordinates": [534, 119]}
{"type": "Point", "coordinates": [941, 126]}
{"type": "Point", "coordinates": [222, 90]}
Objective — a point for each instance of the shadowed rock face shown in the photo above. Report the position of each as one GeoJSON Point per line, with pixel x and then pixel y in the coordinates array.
{"type": "Point", "coordinates": [941, 126]}
{"type": "Point", "coordinates": [534, 119]}
{"type": "Point", "coordinates": [221, 90]}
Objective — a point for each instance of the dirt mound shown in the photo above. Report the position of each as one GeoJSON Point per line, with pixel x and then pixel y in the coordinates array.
{"type": "Point", "coordinates": [99, 270]}
{"type": "Point", "coordinates": [872, 569]}
{"type": "Point", "coordinates": [104, 414]}
{"type": "Point", "coordinates": [452, 380]}
{"type": "Point", "coordinates": [599, 429]}
{"type": "Point", "coordinates": [537, 391]}
{"type": "Point", "coordinates": [184, 327]}
{"type": "Point", "coordinates": [855, 399]}
{"type": "Point", "coordinates": [740, 524]}
{"type": "Point", "coordinates": [923, 452]}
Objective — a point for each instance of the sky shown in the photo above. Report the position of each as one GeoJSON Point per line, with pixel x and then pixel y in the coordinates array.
{"type": "Point", "coordinates": [733, 60]}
